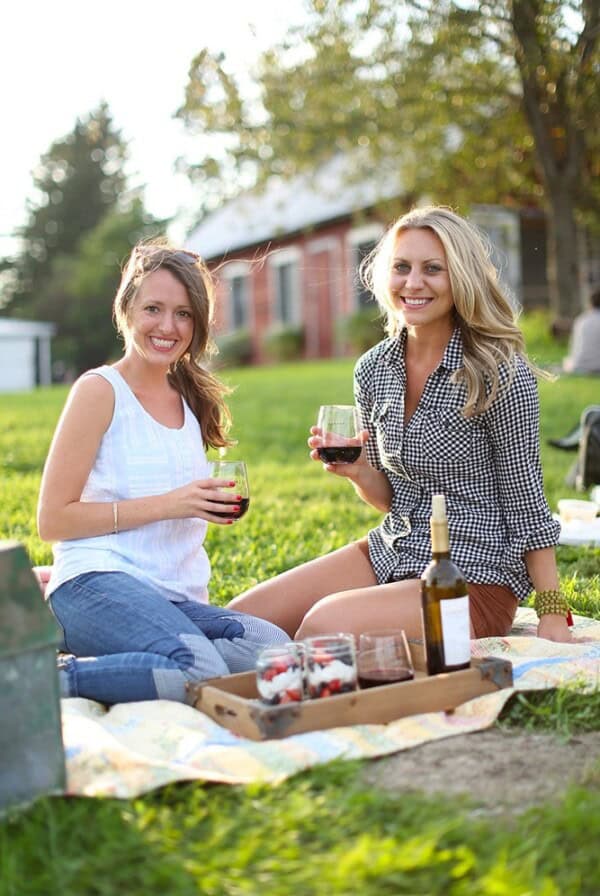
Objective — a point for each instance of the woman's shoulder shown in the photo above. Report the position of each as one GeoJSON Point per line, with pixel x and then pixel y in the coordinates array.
{"type": "Point", "coordinates": [519, 373]}
{"type": "Point", "coordinates": [103, 374]}
{"type": "Point", "coordinates": [516, 386]}
{"type": "Point", "coordinates": [375, 355]}
{"type": "Point", "coordinates": [96, 381]}
{"type": "Point", "coordinates": [92, 386]}
{"type": "Point", "coordinates": [91, 401]}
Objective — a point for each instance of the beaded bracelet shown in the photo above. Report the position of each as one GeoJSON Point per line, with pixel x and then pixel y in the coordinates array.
{"type": "Point", "coordinates": [551, 601]}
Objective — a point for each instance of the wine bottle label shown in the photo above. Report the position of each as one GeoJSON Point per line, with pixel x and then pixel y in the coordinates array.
{"type": "Point", "coordinates": [455, 630]}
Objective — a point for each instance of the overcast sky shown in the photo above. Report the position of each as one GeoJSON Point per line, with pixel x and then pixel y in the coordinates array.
{"type": "Point", "coordinates": [59, 60]}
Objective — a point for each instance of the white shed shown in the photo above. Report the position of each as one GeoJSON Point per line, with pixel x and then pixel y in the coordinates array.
{"type": "Point", "coordinates": [25, 358]}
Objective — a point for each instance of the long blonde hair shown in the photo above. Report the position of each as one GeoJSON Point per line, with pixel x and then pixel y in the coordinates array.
{"type": "Point", "coordinates": [203, 392]}
{"type": "Point", "coordinates": [485, 314]}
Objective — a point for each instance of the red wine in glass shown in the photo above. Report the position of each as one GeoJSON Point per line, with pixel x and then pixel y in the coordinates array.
{"type": "Point", "coordinates": [339, 454]}
{"type": "Point", "coordinates": [237, 475]}
{"type": "Point", "coordinates": [383, 658]}
{"type": "Point", "coordinates": [373, 678]}
{"type": "Point", "coordinates": [339, 434]}
{"type": "Point", "coordinates": [233, 514]}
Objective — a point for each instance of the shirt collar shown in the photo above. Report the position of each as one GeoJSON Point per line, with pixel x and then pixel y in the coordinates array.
{"type": "Point", "coordinates": [452, 358]}
{"type": "Point", "coordinates": [453, 354]}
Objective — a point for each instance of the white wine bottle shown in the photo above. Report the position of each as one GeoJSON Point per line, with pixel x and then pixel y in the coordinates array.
{"type": "Point", "coordinates": [445, 601]}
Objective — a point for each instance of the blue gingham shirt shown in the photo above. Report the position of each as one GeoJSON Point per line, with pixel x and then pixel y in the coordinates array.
{"type": "Point", "coordinates": [487, 466]}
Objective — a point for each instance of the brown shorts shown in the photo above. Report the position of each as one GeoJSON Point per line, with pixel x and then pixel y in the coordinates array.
{"type": "Point", "coordinates": [492, 609]}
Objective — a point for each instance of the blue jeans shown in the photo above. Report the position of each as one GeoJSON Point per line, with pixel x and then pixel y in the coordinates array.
{"type": "Point", "coordinates": [130, 643]}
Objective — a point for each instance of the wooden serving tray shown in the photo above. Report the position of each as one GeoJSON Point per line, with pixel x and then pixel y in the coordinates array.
{"type": "Point", "coordinates": [232, 700]}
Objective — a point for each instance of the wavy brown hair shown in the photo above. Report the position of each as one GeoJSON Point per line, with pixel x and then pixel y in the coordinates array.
{"type": "Point", "coordinates": [203, 392]}
{"type": "Point", "coordinates": [485, 314]}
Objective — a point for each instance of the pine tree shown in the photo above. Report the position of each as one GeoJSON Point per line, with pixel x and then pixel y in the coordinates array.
{"type": "Point", "coordinates": [78, 233]}
{"type": "Point", "coordinates": [78, 180]}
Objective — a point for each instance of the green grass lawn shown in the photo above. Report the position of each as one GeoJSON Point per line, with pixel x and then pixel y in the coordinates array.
{"type": "Point", "coordinates": [322, 832]}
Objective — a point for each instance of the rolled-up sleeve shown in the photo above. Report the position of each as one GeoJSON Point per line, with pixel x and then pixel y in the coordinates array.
{"type": "Point", "coordinates": [513, 425]}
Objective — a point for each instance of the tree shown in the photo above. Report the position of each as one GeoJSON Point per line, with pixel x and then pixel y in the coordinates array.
{"type": "Point", "coordinates": [78, 181]}
{"type": "Point", "coordinates": [559, 69]}
{"type": "Point", "coordinates": [490, 102]}
{"type": "Point", "coordinates": [79, 231]}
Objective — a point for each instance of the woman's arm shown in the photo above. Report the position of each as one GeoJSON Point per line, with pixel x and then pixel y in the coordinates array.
{"type": "Point", "coordinates": [371, 485]}
{"type": "Point", "coordinates": [532, 532]}
{"type": "Point", "coordinates": [542, 570]}
{"type": "Point", "coordinates": [84, 420]}
{"type": "Point", "coordinates": [62, 515]}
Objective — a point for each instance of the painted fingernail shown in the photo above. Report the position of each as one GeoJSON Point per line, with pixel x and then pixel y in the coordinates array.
{"type": "Point", "coordinates": [238, 497]}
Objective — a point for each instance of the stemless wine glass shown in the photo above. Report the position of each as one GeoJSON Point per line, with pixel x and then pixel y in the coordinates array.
{"type": "Point", "coordinates": [383, 658]}
{"type": "Point", "coordinates": [339, 431]}
{"type": "Point", "coordinates": [235, 471]}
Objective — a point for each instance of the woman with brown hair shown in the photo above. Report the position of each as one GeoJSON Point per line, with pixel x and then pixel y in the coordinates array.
{"type": "Point", "coordinates": [126, 498]}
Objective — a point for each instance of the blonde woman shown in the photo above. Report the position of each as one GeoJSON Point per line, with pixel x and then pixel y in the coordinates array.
{"type": "Point", "coordinates": [449, 405]}
{"type": "Point", "coordinates": [126, 498]}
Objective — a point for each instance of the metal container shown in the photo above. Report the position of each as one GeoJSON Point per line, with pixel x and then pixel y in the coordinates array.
{"type": "Point", "coordinates": [31, 749]}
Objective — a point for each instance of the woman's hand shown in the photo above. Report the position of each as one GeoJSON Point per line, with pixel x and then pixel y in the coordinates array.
{"type": "Point", "coordinates": [543, 573]}
{"type": "Point", "coordinates": [553, 627]}
{"type": "Point", "coordinates": [372, 486]}
{"type": "Point", "coordinates": [203, 499]}
{"type": "Point", "coordinates": [350, 471]}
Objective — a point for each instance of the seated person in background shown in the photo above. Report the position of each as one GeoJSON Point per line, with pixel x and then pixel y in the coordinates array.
{"type": "Point", "coordinates": [126, 496]}
{"type": "Point", "coordinates": [584, 346]}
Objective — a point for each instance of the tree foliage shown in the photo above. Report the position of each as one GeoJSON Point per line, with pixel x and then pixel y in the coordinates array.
{"type": "Point", "coordinates": [478, 102]}
{"type": "Point", "coordinates": [77, 233]}
{"type": "Point", "coordinates": [77, 181]}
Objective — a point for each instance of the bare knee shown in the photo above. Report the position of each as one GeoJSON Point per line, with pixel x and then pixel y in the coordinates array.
{"type": "Point", "coordinates": [395, 605]}
{"type": "Point", "coordinates": [323, 618]}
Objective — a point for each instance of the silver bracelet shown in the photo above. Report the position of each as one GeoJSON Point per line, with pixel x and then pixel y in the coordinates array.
{"type": "Point", "coordinates": [115, 518]}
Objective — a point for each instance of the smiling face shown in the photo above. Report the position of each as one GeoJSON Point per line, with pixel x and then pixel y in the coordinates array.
{"type": "Point", "coordinates": [419, 282]}
{"type": "Point", "coordinates": [160, 322]}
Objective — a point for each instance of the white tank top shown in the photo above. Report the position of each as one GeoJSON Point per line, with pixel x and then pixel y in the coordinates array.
{"type": "Point", "coordinates": [138, 457]}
